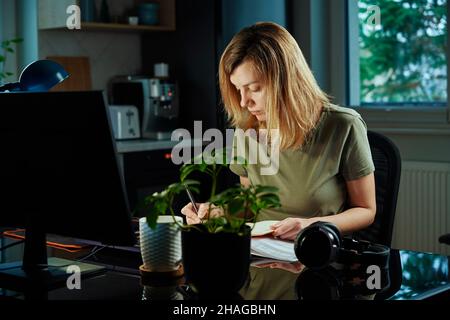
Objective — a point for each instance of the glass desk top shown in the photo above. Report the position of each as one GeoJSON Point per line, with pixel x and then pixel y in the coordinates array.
{"type": "Point", "coordinates": [410, 276]}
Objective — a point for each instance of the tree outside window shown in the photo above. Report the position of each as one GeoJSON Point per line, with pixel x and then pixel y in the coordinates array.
{"type": "Point", "coordinates": [403, 58]}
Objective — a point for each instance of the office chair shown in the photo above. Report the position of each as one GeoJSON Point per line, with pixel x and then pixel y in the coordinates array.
{"type": "Point", "coordinates": [445, 239]}
{"type": "Point", "coordinates": [387, 161]}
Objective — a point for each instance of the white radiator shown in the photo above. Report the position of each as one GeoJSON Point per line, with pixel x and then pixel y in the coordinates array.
{"type": "Point", "coordinates": [423, 207]}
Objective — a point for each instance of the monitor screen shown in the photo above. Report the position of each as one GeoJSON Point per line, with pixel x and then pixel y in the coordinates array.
{"type": "Point", "coordinates": [58, 167]}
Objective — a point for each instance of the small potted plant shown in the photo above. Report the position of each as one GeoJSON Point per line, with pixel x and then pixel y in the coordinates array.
{"type": "Point", "coordinates": [6, 47]}
{"type": "Point", "coordinates": [216, 252]}
{"type": "Point", "coordinates": [159, 231]}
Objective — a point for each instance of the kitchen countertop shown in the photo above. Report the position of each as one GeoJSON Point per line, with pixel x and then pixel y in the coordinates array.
{"type": "Point", "coordinates": [139, 145]}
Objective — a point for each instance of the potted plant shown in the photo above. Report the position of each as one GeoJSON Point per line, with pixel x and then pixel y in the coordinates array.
{"type": "Point", "coordinates": [159, 231]}
{"type": "Point", "coordinates": [216, 252]}
{"type": "Point", "coordinates": [6, 47]}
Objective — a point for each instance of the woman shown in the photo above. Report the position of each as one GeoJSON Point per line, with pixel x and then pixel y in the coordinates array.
{"type": "Point", "coordinates": [325, 165]}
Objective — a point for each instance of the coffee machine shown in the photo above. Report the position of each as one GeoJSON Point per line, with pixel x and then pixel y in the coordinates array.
{"type": "Point", "coordinates": [157, 101]}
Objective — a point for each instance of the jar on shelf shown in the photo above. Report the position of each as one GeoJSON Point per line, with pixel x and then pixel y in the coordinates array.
{"type": "Point", "coordinates": [149, 13]}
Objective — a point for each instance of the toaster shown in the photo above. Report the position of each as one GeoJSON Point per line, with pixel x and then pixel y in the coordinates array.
{"type": "Point", "coordinates": [157, 101]}
{"type": "Point", "coordinates": [125, 122]}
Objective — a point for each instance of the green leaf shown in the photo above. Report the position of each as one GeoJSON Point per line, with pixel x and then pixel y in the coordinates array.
{"type": "Point", "coordinates": [235, 206]}
{"type": "Point", "coordinates": [237, 224]}
{"type": "Point", "coordinates": [177, 188]}
{"type": "Point", "coordinates": [255, 208]}
{"type": "Point", "coordinates": [268, 189]}
{"type": "Point", "coordinates": [187, 169]}
{"type": "Point", "coordinates": [152, 220]}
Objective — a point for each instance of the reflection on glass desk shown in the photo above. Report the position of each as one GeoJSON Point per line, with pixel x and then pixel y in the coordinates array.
{"type": "Point", "coordinates": [410, 276]}
{"type": "Point", "coordinates": [423, 276]}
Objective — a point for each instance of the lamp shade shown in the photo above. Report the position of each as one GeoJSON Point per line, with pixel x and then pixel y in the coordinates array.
{"type": "Point", "coordinates": [40, 75]}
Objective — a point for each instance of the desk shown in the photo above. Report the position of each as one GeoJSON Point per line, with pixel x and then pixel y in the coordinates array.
{"type": "Point", "coordinates": [412, 276]}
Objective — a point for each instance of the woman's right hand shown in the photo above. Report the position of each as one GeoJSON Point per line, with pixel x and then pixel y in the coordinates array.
{"type": "Point", "coordinates": [194, 218]}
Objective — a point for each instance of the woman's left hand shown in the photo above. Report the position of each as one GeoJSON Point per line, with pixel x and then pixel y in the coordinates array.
{"type": "Point", "coordinates": [289, 228]}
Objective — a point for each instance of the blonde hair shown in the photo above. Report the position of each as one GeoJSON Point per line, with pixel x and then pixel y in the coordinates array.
{"type": "Point", "coordinates": [294, 99]}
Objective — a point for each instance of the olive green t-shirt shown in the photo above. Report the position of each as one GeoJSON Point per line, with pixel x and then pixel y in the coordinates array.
{"type": "Point", "coordinates": [311, 179]}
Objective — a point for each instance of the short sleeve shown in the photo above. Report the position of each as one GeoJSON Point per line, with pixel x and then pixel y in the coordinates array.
{"type": "Point", "coordinates": [356, 159]}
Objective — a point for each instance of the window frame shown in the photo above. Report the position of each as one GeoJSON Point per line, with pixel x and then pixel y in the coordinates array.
{"type": "Point", "coordinates": [385, 116]}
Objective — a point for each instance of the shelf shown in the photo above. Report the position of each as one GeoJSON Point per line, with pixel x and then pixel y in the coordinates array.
{"type": "Point", "coordinates": [95, 26]}
{"type": "Point", "coordinates": [53, 16]}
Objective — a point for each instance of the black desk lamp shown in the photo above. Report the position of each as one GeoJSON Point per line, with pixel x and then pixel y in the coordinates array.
{"type": "Point", "coordinates": [40, 75]}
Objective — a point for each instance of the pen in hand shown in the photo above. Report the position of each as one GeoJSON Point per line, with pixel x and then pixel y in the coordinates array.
{"type": "Point", "coordinates": [191, 198]}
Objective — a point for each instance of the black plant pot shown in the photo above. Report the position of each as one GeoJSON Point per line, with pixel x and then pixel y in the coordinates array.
{"type": "Point", "coordinates": [215, 264]}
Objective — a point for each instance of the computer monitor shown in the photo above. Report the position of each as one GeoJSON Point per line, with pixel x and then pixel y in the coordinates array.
{"type": "Point", "coordinates": [59, 173]}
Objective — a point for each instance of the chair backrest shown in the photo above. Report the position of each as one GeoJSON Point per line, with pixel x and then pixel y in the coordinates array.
{"type": "Point", "coordinates": [387, 161]}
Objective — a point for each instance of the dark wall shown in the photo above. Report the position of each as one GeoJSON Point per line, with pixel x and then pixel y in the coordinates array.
{"type": "Point", "coordinates": [203, 29]}
{"type": "Point", "coordinates": [237, 14]}
{"type": "Point", "coordinates": [191, 54]}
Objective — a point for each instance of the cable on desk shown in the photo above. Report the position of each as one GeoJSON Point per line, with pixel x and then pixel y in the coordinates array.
{"type": "Point", "coordinates": [93, 252]}
{"type": "Point", "coordinates": [72, 248]}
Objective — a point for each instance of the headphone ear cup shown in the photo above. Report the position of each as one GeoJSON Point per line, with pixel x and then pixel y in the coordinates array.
{"type": "Point", "coordinates": [317, 245]}
{"type": "Point", "coordinates": [332, 228]}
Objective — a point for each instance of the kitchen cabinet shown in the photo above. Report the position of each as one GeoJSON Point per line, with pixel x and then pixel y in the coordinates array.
{"type": "Point", "coordinates": [53, 16]}
{"type": "Point", "coordinates": [147, 172]}
{"type": "Point", "coordinates": [147, 166]}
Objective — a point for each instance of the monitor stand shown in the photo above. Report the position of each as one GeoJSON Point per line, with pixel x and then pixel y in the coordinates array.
{"type": "Point", "coordinates": [36, 275]}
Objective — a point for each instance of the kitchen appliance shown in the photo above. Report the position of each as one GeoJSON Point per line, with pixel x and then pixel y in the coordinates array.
{"type": "Point", "coordinates": [157, 101]}
{"type": "Point", "coordinates": [125, 122]}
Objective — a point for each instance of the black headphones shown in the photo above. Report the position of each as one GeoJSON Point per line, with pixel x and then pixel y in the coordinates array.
{"type": "Point", "coordinates": [320, 244]}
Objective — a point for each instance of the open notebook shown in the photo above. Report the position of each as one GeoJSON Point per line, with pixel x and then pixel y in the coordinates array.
{"type": "Point", "coordinates": [264, 245]}
{"type": "Point", "coordinates": [262, 228]}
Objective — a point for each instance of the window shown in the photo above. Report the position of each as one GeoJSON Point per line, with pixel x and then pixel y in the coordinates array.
{"type": "Point", "coordinates": [402, 52]}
